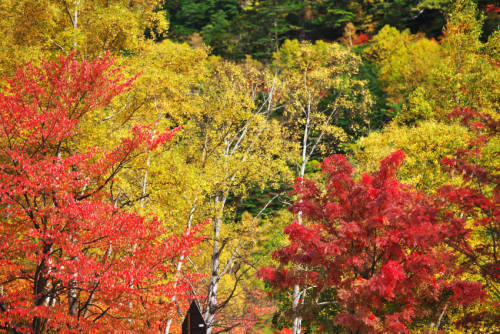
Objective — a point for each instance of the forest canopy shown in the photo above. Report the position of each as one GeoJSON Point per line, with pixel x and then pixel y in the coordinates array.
{"type": "Point", "coordinates": [290, 166]}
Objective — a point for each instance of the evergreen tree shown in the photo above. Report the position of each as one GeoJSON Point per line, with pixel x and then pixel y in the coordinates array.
{"type": "Point", "coordinates": [191, 16]}
{"type": "Point", "coordinates": [258, 30]}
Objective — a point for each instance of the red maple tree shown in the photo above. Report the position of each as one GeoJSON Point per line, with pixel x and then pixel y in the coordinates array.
{"type": "Point", "coordinates": [471, 211]}
{"type": "Point", "coordinates": [375, 242]}
{"type": "Point", "coordinates": [71, 259]}
{"type": "Point", "coordinates": [360, 39]}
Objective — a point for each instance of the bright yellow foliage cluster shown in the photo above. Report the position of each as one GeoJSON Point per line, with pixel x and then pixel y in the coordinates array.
{"type": "Point", "coordinates": [405, 61]}
{"type": "Point", "coordinates": [424, 146]}
{"type": "Point", "coordinates": [466, 75]}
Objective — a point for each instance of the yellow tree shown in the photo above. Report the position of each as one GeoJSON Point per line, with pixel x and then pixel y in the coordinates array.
{"type": "Point", "coordinates": [467, 75]}
{"type": "Point", "coordinates": [166, 90]}
{"type": "Point", "coordinates": [322, 89]}
{"type": "Point", "coordinates": [231, 142]}
{"type": "Point", "coordinates": [405, 61]}
{"type": "Point", "coordinates": [32, 29]}
{"type": "Point", "coordinates": [424, 146]}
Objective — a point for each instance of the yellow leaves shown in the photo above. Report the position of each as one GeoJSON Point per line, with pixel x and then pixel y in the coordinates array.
{"type": "Point", "coordinates": [463, 29]}
{"type": "Point", "coordinates": [349, 33]}
{"type": "Point", "coordinates": [157, 24]}
{"type": "Point", "coordinates": [31, 29]}
{"type": "Point", "coordinates": [112, 28]}
{"type": "Point", "coordinates": [405, 60]}
{"type": "Point", "coordinates": [313, 74]}
{"type": "Point", "coordinates": [304, 56]}
{"type": "Point", "coordinates": [229, 144]}
{"type": "Point", "coordinates": [465, 73]}
{"type": "Point", "coordinates": [424, 145]}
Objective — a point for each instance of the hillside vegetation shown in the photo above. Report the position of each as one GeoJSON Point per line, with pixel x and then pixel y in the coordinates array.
{"type": "Point", "coordinates": [293, 166]}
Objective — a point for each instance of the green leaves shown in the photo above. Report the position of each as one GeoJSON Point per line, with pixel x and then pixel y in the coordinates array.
{"type": "Point", "coordinates": [192, 16]}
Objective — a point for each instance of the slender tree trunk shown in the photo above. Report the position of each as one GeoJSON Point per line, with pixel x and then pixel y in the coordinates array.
{"type": "Point", "coordinates": [214, 271]}
{"type": "Point", "coordinates": [297, 321]}
{"type": "Point", "coordinates": [189, 223]}
{"type": "Point", "coordinates": [75, 25]}
{"type": "Point", "coordinates": [179, 265]}
{"type": "Point", "coordinates": [441, 318]}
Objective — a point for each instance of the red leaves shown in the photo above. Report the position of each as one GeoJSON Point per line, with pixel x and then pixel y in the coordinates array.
{"type": "Point", "coordinates": [386, 283]}
{"type": "Point", "coordinates": [472, 209]}
{"type": "Point", "coordinates": [465, 293]}
{"type": "Point", "coordinates": [45, 103]}
{"type": "Point", "coordinates": [360, 39]}
{"type": "Point", "coordinates": [492, 9]}
{"type": "Point", "coordinates": [478, 198]}
{"type": "Point", "coordinates": [64, 245]}
{"type": "Point", "coordinates": [374, 241]}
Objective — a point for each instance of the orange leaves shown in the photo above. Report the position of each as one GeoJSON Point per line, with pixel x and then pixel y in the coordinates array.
{"type": "Point", "coordinates": [492, 9]}
{"type": "Point", "coordinates": [360, 39]}
{"type": "Point", "coordinates": [66, 244]}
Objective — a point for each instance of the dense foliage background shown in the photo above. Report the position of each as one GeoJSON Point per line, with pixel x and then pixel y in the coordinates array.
{"type": "Point", "coordinates": [294, 166]}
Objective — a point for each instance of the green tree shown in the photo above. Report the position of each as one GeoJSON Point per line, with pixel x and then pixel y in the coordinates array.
{"type": "Point", "coordinates": [258, 30]}
{"type": "Point", "coordinates": [192, 16]}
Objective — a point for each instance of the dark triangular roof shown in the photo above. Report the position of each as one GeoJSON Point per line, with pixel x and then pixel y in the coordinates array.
{"type": "Point", "coordinates": [198, 324]}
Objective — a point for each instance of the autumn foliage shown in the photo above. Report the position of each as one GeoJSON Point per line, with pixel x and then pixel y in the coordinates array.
{"type": "Point", "coordinates": [188, 149]}
{"type": "Point", "coordinates": [471, 211]}
{"type": "Point", "coordinates": [360, 39]}
{"type": "Point", "coordinates": [73, 259]}
{"type": "Point", "coordinates": [376, 242]}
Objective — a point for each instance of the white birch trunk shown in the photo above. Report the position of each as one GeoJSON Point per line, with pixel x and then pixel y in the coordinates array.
{"type": "Point", "coordinates": [297, 321]}
{"type": "Point", "coordinates": [179, 266]}
{"type": "Point", "coordinates": [214, 272]}
{"type": "Point", "coordinates": [75, 25]}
